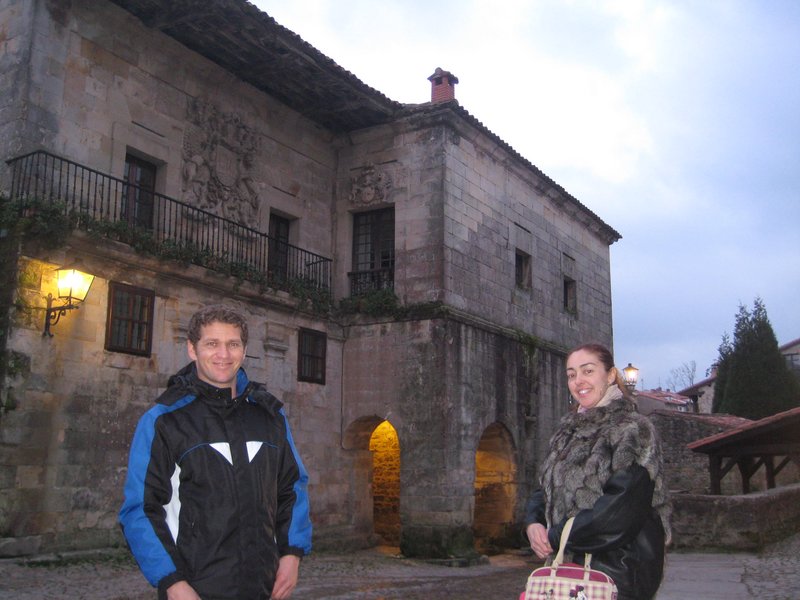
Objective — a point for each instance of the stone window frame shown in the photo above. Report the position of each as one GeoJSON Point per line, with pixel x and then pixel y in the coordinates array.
{"type": "Point", "coordinates": [312, 348]}
{"type": "Point", "coordinates": [522, 269]}
{"type": "Point", "coordinates": [131, 332]}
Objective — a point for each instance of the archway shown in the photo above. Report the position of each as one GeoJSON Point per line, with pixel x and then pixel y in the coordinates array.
{"type": "Point", "coordinates": [385, 447]}
{"type": "Point", "coordinates": [495, 490]}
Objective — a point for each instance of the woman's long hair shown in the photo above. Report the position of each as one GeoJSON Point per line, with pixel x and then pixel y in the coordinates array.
{"type": "Point", "coordinates": [605, 357]}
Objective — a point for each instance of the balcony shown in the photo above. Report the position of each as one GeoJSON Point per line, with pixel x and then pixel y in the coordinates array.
{"type": "Point", "coordinates": [373, 280]}
{"type": "Point", "coordinates": [164, 226]}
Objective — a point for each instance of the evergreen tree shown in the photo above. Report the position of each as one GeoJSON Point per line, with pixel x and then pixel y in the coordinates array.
{"type": "Point", "coordinates": [721, 365]}
{"type": "Point", "coordinates": [753, 380]}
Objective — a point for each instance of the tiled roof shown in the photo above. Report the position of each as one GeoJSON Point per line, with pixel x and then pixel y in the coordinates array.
{"type": "Point", "coordinates": [783, 426]}
{"type": "Point", "coordinates": [665, 396]}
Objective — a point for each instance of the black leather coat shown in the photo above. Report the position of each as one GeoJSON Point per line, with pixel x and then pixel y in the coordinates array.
{"type": "Point", "coordinates": [622, 532]}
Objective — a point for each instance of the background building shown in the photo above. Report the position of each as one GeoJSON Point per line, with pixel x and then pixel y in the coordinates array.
{"type": "Point", "coordinates": [411, 282]}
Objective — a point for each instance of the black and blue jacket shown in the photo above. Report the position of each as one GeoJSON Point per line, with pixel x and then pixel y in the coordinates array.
{"type": "Point", "coordinates": [216, 491]}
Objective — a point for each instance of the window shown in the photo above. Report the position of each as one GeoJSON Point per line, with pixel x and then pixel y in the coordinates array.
{"type": "Point", "coordinates": [278, 257]}
{"type": "Point", "coordinates": [129, 327]}
{"type": "Point", "coordinates": [570, 296]}
{"type": "Point", "coordinates": [311, 356]}
{"type": "Point", "coordinates": [373, 251]}
{"type": "Point", "coordinates": [522, 265]}
{"type": "Point", "coordinates": [793, 362]}
{"type": "Point", "coordinates": [569, 272]}
{"type": "Point", "coordinates": [137, 199]}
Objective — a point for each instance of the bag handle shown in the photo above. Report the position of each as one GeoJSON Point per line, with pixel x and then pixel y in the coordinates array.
{"type": "Point", "coordinates": [559, 559]}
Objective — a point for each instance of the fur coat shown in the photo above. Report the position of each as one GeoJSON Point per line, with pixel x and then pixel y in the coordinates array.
{"type": "Point", "coordinates": [589, 447]}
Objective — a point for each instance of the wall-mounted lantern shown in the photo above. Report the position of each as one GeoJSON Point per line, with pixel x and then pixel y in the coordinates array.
{"type": "Point", "coordinates": [630, 375]}
{"type": "Point", "coordinates": [73, 285]}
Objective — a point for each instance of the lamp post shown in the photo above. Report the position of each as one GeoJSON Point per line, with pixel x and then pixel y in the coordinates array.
{"type": "Point", "coordinates": [73, 285]}
{"type": "Point", "coordinates": [630, 375]}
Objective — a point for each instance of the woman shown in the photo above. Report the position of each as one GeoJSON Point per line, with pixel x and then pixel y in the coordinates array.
{"type": "Point", "coordinates": [605, 469]}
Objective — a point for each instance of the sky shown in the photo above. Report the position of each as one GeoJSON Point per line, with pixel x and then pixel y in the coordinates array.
{"type": "Point", "coordinates": [678, 123]}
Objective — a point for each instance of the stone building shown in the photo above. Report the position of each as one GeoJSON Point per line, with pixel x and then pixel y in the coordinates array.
{"type": "Point", "coordinates": [411, 282]}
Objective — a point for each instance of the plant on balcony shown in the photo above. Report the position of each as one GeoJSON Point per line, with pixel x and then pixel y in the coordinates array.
{"type": "Point", "coordinates": [310, 294]}
{"type": "Point", "coordinates": [47, 222]}
{"type": "Point", "coordinates": [375, 303]}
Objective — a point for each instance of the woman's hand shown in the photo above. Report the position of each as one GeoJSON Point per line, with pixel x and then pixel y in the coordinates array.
{"type": "Point", "coordinates": [537, 534]}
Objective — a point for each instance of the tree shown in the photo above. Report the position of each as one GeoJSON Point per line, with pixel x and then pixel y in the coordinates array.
{"type": "Point", "coordinates": [682, 377]}
{"type": "Point", "coordinates": [753, 380]}
{"type": "Point", "coordinates": [721, 365]}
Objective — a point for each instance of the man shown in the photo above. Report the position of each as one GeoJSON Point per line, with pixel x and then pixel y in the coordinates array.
{"type": "Point", "coordinates": [215, 499]}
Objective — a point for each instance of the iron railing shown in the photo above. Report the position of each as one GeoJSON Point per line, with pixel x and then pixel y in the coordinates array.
{"type": "Point", "coordinates": [196, 234]}
{"type": "Point", "coordinates": [363, 282]}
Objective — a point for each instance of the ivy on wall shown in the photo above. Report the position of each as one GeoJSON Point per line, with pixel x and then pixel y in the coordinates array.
{"type": "Point", "coordinates": [50, 224]}
{"type": "Point", "coordinates": [47, 222]}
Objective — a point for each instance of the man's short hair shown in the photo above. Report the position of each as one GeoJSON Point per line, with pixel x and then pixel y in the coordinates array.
{"type": "Point", "coordinates": [216, 313]}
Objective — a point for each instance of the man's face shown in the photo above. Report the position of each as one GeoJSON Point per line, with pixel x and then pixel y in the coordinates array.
{"type": "Point", "coordinates": [218, 354]}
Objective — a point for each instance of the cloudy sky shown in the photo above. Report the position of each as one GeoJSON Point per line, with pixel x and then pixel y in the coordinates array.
{"type": "Point", "coordinates": [677, 122]}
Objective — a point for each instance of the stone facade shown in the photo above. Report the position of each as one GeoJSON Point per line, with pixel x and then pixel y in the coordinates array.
{"type": "Point", "coordinates": [742, 523]}
{"type": "Point", "coordinates": [468, 369]}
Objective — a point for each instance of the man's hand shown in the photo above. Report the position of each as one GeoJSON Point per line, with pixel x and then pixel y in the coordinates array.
{"type": "Point", "coordinates": [286, 578]}
{"type": "Point", "coordinates": [537, 534]}
{"type": "Point", "coordinates": [181, 591]}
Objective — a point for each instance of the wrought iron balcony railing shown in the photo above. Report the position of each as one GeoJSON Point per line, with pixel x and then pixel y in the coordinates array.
{"type": "Point", "coordinates": [195, 234]}
{"type": "Point", "coordinates": [363, 282]}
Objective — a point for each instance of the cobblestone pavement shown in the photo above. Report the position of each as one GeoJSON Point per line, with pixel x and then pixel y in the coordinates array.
{"type": "Point", "coordinates": [378, 574]}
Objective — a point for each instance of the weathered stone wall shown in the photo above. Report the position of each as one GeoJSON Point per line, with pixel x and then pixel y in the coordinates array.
{"type": "Point", "coordinates": [17, 17]}
{"type": "Point", "coordinates": [739, 522]}
{"type": "Point", "coordinates": [441, 383]}
{"type": "Point", "coordinates": [103, 86]}
{"type": "Point", "coordinates": [494, 207]}
{"type": "Point", "coordinates": [688, 471]}
{"type": "Point", "coordinates": [93, 84]}
{"type": "Point", "coordinates": [463, 209]}
{"type": "Point", "coordinates": [64, 445]}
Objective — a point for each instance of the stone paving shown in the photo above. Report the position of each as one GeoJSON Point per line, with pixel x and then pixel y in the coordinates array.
{"type": "Point", "coordinates": [379, 574]}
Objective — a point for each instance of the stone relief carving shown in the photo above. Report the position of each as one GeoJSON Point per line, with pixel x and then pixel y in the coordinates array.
{"type": "Point", "coordinates": [370, 186]}
{"type": "Point", "coordinates": [218, 156]}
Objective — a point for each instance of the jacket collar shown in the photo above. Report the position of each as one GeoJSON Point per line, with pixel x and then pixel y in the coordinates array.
{"type": "Point", "coordinates": [186, 382]}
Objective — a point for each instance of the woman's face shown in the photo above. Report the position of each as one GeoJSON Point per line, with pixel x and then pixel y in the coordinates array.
{"type": "Point", "coordinates": [587, 378]}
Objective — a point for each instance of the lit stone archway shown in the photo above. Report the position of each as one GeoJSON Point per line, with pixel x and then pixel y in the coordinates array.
{"type": "Point", "coordinates": [495, 490]}
{"type": "Point", "coordinates": [385, 447]}
{"type": "Point", "coordinates": [376, 477]}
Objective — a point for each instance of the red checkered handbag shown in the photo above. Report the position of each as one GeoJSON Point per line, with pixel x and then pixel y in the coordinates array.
{"type": "Point", "coordinates": [568, 581]}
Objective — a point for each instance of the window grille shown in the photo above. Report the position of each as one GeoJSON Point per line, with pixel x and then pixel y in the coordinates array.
{"type": "Point", "coordinates": [373, 251]}
{"type": "Point", "coordinates": [129, 327]}
{"type": "Point", "coordinates": [312, 347]}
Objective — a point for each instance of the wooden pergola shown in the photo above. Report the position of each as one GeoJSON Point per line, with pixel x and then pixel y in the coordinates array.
{"type": "Point", "coordinates": [772, 442]}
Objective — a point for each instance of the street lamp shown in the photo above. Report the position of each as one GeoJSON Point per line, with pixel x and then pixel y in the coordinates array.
{"type": "Point", "coordinates": [73, 285]}
{"type": "Point", "coordinates": [630, 375]}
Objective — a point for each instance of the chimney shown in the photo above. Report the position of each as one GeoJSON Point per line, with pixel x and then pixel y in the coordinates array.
{"type": "Point", "coordinates": [443, 84]}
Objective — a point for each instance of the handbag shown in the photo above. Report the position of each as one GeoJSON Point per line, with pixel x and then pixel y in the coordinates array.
{"type": "Point", "coordinates": [568, 581]}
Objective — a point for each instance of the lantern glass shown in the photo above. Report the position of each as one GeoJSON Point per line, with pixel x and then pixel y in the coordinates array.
{"type": "Point", "coordinates": [73, 285]}
{"type": "Point", "coordinates": [631, 375]}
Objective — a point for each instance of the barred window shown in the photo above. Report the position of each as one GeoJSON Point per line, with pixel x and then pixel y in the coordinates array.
{"type": "Point", "coordinates": [311, 356]}
{"type": "Point", "coordinates": [129, 327]}
{"type": "Point", "coordinates": [570, 296]}
{"type": "Point", "coordinates": [278, 257]}
{"type": "Point", "coordinates": [373, 251]}
{"type": "Point", "coordinates": [522, 268]}
{"type": "Point", "coordinates": [137, 201]}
